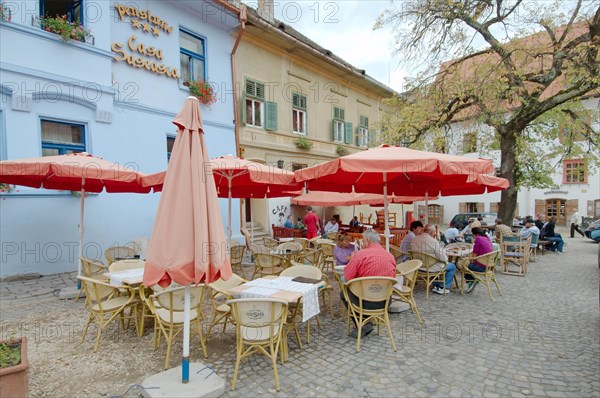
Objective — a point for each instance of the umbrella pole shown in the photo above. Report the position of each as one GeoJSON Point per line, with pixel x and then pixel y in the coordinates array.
{"type": "Point", "coordinates": [385, 213]}
{"type": "Point", "coordinates": [229, 212]}
{"type": "Point", "coordinates": [81, 209]}
{"type": "Point", "coordinates": [426, 207]}
{"type": "Point", "coordinates": [185, 362]}
{"type": "Point", "coordinates": [251, 221]}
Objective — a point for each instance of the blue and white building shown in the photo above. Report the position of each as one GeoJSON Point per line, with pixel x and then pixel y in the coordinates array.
{"type": "Point", "coordinates": [113, 95]}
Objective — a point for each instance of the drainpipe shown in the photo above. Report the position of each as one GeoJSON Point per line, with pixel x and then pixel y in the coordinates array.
{"type": "Point", "coordinates": [243, 20]}
{"type": "Point", "coordinates": [243, 16]}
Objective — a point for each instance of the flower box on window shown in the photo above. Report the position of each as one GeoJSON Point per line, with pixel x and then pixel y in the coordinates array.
{"type": "Point", "coordinates": [202, 90]}
{"type": "Point", "coordinates": [65, 29]}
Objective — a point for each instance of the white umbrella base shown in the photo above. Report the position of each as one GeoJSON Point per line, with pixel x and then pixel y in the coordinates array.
{"type": "Point", "coordinates": [204, 382]}
{"type": "Point", "coordinates": [398, 306]}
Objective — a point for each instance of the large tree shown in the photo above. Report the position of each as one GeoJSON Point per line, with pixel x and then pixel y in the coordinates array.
{"type": "Point", "coordinates": [523, 93]}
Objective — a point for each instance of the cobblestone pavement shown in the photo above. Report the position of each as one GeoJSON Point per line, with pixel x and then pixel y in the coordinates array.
{"type": "Point", "coordinates": [541, 338]}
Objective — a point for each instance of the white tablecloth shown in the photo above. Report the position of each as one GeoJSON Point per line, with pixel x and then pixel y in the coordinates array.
{"type": "Point", "coordinates": [266, 287]}
{"type": "Point", "coordinates": [116, 278]}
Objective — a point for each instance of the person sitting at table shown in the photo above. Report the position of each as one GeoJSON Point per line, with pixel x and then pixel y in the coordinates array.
{"type": "Point", "coordinates": [529, 229]}
{"type": "Point", "coordinates": [331, 226]}
{"type": "Point", "coordinates": [466, 233]}
{"type": "Point", "coordinates": [549, 235]}
{"type": "Point", "coordinates": [289, 223]}
{"type": "Point", "coordinates": [501, 230]}
{"type": "Point", "coordinates": [300, 225]}
{"type": "Point", "coordinates": [483, 245]}
{"type": "Point", "coordinates": [372, 260]}
{"type": "Point", "coordinates": [415, 228]}
{"type": "Point", "coordinates": [541, 221]}
{"type": "Point", "coordinates": [426, 243]}
{"type": "Point", "coordinates": [354, 222]}
{"type": "Point", "coordinates": [452, 234]}
{"type": "Point", "coordinates": [343, 250]}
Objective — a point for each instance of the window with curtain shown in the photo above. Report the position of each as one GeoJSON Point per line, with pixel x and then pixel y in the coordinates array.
{"type": "Point", "coordinates": [60, 138]}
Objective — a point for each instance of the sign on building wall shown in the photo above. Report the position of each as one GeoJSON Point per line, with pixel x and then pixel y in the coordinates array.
{"type": "Point", "coordinates": [137, 53]}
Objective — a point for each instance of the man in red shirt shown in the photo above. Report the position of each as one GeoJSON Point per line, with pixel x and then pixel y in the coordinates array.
{"type": "Point", "coordinates": [372, 260]}
{"type": "Point", "coordinates": [311, 221]}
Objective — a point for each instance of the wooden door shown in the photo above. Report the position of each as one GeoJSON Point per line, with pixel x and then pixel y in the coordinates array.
{"type": "Point", "coordinates": [557, 208]}
{"type": "Point", "coordinates": [540, 207]}
{"type": "Point", "coordinates": [435, 214]}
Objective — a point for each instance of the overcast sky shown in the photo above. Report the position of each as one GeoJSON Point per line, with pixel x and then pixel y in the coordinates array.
{"type": "Point", "coordinates": [346, 28]}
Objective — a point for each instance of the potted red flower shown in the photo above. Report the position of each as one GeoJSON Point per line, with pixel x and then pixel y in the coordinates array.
{"type": "Point", "coordinates": [202, 90]}
{"type": "Point", "coordinates": [14, 368]}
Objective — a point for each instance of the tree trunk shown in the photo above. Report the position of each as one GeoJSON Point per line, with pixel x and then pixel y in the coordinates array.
{"type": "Point", "coordinates": [508, 198]}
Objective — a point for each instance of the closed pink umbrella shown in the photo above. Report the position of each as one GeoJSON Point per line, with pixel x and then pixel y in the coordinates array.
{"type": "Point", "coordinates": [188, 240]}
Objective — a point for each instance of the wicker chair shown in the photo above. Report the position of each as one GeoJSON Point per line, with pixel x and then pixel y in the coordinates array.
{"type": "Point", "coordinates": [106, 305]}
{"type": "Point", "coordinates": [236, 255]}
{"type": "Point", "coordinates": [168, 318]}
{"type": "Point", "coordinates": [408, 270]}
{"type": "Point", "coordinates": [487, 277]}
{"type": "Point", "coordinates": [425, 274]}
{"type": "Point", "coordinates": [373, 289]}
{"type": "Point", "coordinates": [114, 252]}
{"type": "Point", "coordinates": [267, 264]}
{"type": "Point", "coordinates": [260, 324]}
{"type": "Point", "coordinates": [221, 310]}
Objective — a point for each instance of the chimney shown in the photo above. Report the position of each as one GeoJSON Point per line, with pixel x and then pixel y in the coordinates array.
{"type": "Point", "coordinates": [266, 9]}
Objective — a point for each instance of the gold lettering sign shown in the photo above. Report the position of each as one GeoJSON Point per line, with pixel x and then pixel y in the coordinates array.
{"type": "Point", "coordinates": [139, 62]}
{"type": "Point", "coordinates": [143, 15]}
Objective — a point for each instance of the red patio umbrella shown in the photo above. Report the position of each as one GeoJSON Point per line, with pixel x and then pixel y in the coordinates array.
{"type": "Point", "coordinates": [324, 198]}
{"type": "Point", "coordinates": [401, 171]}
{"type": "Point", "coordinates": [188, 241]}
{"type": "Point", "coordinates": [73, 172]}
{"type": "Point", "coordinates": [242, 178]}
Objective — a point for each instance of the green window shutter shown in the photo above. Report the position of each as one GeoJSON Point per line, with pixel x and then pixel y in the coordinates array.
{"type": "Point", "coordinates": [260, 91]}
{"type": "Point", "coordinates": [333, 131]}
{"type": "Point", "coordinates": [250, 88]}
{"type": "Point", "coordinates": [271, 116]}
{"type": "Point", "coordinates": [371, 139]}
{"type": "Point", "coordinates": [348, 133]}
{"type": "Point", "coordinates": [299, 101]}
{"type": "Point", "coordinates": [244, 108]}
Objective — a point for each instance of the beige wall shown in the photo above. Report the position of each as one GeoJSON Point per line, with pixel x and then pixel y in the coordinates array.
{"type": "Point", "coordinates": [283, 73]}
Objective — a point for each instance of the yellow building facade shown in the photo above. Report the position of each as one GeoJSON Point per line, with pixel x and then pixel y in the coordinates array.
{"type": "Point", "coordinates": [298, 105]}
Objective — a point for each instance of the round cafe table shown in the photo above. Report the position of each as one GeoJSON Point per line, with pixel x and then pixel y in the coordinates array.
{"type": "Point", "coordinates": [288, 255]}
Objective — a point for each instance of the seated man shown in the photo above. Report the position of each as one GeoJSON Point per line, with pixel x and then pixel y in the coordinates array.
{"type": "Point", "coordinates": [289, 223]}
{"type": "Point", "coordinates": [372, 260]}
{"type": "Point", "coordinates": [530, 229]}
{"type": "Point", "coordinates": [501, 230]}
{"type": "Point", "coordinates": [354, 222]}
{"type": "Point", "coordinates": [331, 226]}
{"type": "Point", "coordinates": [416, 228]}
{"type": "Point", "coordinates": [452, 235]}
{"type": "Point", "coordinates": [426, 243]}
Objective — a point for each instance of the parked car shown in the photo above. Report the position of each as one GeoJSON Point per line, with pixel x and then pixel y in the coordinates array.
{"type": "Point", "coordinates": [593, 231]}
{"type": "Point", "coordinates": [463, 218]}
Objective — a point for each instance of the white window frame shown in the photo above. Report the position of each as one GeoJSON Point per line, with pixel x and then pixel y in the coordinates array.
{"type": "Point", "coordinates": [301, 116]}
{"type": "Point", "coordinates": [339, 131]}
{"type": "Point", "coordinates": [253, 121]}
{"type": "Point", "coordinates": [363, 136]}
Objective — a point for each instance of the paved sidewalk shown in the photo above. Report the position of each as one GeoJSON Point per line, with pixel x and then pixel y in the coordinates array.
{"type": "Point", "coordinates": [542, 338]}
